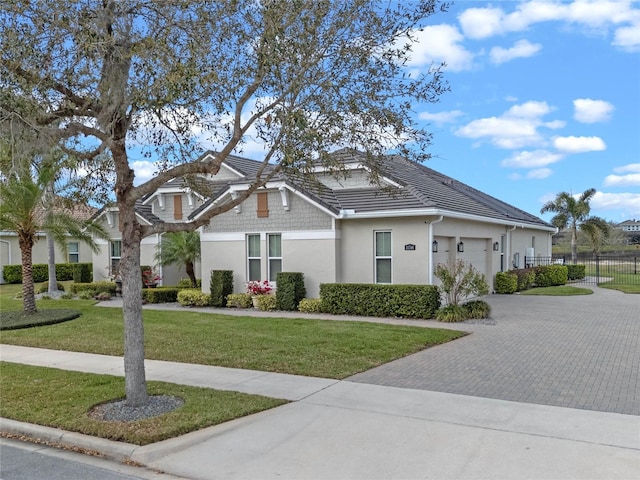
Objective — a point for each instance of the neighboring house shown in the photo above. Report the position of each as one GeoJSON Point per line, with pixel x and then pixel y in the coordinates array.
{"type": "Point", "coordinates": [350, 231]}
{"type": "Point", "coordinates": [78, 252]}
{"type": "Point", "coordinates": [631, 229]}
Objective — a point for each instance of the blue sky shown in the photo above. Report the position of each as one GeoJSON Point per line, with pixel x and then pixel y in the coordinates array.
{"type": "Point", "coordinates": [545, 98]}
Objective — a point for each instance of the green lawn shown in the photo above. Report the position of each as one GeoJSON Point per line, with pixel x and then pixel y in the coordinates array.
{"type": "Point", "coordinates": [61, 399]}
{"type": "Point", "coordinates": [560, 291]}
{"type": "Point", "coordinates": [318, 348]}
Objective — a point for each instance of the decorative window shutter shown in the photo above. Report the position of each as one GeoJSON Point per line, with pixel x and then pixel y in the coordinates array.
{"type": "Point", "coordinates": [263, 205]}
{"type": "Point", "coordinates": [177, 207]}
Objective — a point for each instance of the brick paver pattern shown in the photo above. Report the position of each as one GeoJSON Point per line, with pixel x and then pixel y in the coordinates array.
{"type": "Point", "coordinates": [577, 352]}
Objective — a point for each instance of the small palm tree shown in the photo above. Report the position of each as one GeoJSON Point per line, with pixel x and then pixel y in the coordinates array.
{"type": "Point", "coordinates": [180, 248]}
{"type": "Point", "coordinates": [596, 230]}
{"type": "Point", "coordinates": [572, 213]}
{"type": "Point", "coordinates": [21, 201]}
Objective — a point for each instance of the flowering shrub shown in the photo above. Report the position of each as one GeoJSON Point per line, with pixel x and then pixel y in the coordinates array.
{"type": "Point", "coordinates": [259, 288]}
{"type": "Point", "coordinates": [150, 278]}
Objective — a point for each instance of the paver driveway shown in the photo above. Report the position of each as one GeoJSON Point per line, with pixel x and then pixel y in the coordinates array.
{"type": "Point", "coordinates": [578, 352]}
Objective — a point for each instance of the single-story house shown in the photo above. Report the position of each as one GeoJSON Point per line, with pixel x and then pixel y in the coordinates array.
{"type": "Point", "coordinates": [347, 229]}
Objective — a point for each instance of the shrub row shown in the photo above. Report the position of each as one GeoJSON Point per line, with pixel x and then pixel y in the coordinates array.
{"type": "Point", "coordinates": [192, 297]}
{"type": "Point", "coordinates": [411, 301]}
{"type": "Point", "coordinates": [543, 276]}
{"type": "Point", "coordinates": [64, 271]}
{"type": "Point", "coordinates": [96, 287]}
{"type": "Point", "coordinates": [160, 295]}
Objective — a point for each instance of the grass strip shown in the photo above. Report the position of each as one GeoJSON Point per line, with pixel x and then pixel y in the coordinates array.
{"type": "Point", "coordinates": [559, 291]}
{"type": "Point", "coordinates": [61, 399]}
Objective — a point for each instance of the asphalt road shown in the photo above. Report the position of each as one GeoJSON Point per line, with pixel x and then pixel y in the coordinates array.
{"type": "Point", "coordinates": [28, 461]}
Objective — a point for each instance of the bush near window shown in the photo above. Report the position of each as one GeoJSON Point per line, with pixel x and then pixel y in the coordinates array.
{"type": "Point", "coordinates": [576, 272]}
{"type": "Point", "coordinates": [96, 287]}
{"type": "Point", "coordinates": [64, 271]}
{"type": "Point", "coordinates": [506, 282]}
{"type": "Point", "coordinates": [310, 305]}
{"type": "Point", "coordinates": [551, 275]}
{"type": "Point", "coordinates": [266, 302]}
{"type": "Point", "coordinates": [410, 301]}
{"type": "Point", "coordinates": [160, 295]}
{"type": "Point", "coordinates": [239, 300]}
{"type": "Point", "coordinates": [290, 290]}
{"type": "Point", "coordinates": [193, 298]}
{"type": "Point", "coordinates": [221, 286]}
{"type": "Point", "coordinates": [82, 272]}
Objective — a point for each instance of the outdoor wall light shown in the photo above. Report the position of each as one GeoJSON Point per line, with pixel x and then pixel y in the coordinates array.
{"type": "Point", "coordinates": [460, 247]}
{"type": "Point", "coordinates": [496, 246]}
{"type": "Point", "coordinates": [434, 246]}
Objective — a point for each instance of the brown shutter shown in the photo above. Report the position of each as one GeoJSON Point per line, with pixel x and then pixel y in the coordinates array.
{"type": "Point", "coordinates": [263, 205]}
{"type": "Point", "coordinates": [177, 207]}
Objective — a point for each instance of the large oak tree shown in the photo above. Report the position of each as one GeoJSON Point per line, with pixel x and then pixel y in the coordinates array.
{"type": "Point", "coordinates": [301, 77]}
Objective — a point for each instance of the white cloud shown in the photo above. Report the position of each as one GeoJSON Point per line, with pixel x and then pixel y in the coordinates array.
{"type": "Point", "coordinates": [573, 144]}
{"type": "Point", "coordinates": [622, 180]}
{"type": "Point", "coordinates": [143, 170]}
{"type": "Point", "coordinates": [630, 176]}
{"type": "Point", "coordinates": [516, 128]}
{"type": "Point", "coordinates": [597, 15]}
{"type": "Point", "coordinates": [536, 158]}
{"type": "Point", "coordinates": [628, 203]}
{"type": "Point", "coordinates": [441, 118]}
{"type": "Point", "coordinates": [520, 49]}
{"type": "Point", "coordinates": [539, 173]}
{"type": "Point", "coordinates": [440, 43]}
{"type": "Point", "coordinates": [481, 22]}
{"type": "Point", "coordinates": [591, 111]}
{"type": "Point", "coordinates": [632, 167]}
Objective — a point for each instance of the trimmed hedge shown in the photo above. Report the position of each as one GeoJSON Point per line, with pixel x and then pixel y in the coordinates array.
{"type": "Point", "coordinates": [411, 301]}
{"type": "Point", "coordinates": [506, 282]}
{"type": "Point", "coordinates": [290, 290]}
{"type": "Point", "coordinates": [551, 275]}
{"type": "Point", "coordinates": [526, 277]}
{"type": "Point", "coordinates": [576, 272]}
{"type": "Point", "coordinates": [310, 305]}
{"type": "Point", "coordinates": [186, 283]}
{"type": "Point", "coordinates": [83, 272]}
{"type": "Point", "coordinates": [64, 271]}
{"type": "Point", "coordinates": [44, 288]}
{"type": "Point", "coordinates": [221, 286]}
{"type": "Point", "coordinates": [266, 302]}
{"type": "Point", "coordinates": [97, 287]}
{"type": "Point", "coordinates": [160, 295]}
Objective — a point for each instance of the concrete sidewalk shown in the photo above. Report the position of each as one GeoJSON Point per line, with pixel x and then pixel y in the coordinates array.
{"type": "Point", "coordinates": [340, 429]}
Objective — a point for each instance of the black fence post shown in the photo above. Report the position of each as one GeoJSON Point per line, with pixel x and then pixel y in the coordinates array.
{"type": "Point", "coordinates": [597, 269]}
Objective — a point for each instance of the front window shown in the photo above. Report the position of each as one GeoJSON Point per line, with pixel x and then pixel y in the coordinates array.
{"type": "Point", "coordinates": [253, 257]}
{"type": "Point", "coordinates": [116, 253]}
{"type": "Point", "coordinates": [383, 257]}
{"type": "Point", "coordinates": [74, 252]}
{"type": "Point", "coordinates": [275, 255]}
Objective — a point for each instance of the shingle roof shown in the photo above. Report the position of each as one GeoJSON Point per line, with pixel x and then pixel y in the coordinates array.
{"type": "Point", "coordinates": [419, 188]}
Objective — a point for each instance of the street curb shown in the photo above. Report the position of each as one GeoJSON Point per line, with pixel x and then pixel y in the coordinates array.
{"type": "Point", "coordinates": [110, 449]}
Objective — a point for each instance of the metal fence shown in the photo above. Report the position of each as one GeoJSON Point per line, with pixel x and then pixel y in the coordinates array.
{"type": "Point", "coordinates": [619, 269]}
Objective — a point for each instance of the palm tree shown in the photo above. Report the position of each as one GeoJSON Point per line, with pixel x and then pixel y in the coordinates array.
{"type": "Point", "coordinates": [596, 230]}
{"type": "Point", "coordinates": [21, 205]}
{"type": "Point", "coordinates": [180, 248]}
{"type": "Point", "coordinates": [572, 213]}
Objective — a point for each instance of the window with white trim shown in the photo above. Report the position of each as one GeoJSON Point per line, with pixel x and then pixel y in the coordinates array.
{"type": "Point", "coordinates": [73, 250]}
{"type": "Point", "coordinates": [274, 241]}
{"type": "Point", "coordinates": [253, 257]}
{"type": "Point", "coordinates": [116, 253]}
{"type": "Point", "coordinates": [383, 261]}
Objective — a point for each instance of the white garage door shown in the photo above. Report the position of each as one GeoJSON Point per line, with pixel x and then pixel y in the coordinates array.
{"type": "Point", "coordinates": [476, 254]}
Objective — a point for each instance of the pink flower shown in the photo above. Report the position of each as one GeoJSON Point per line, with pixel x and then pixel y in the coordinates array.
{"type": "Point", "coordinates": [259, 288]}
